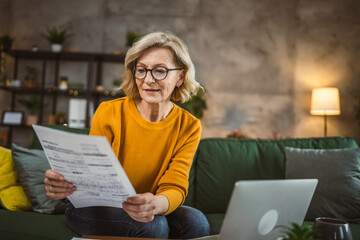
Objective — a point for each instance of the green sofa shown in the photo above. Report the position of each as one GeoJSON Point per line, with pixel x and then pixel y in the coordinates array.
{"type": "Point", "coordinates": [218, 164]}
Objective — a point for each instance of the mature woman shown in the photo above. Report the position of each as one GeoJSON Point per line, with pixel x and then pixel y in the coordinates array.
{"type": "Point", "coordinates": [155, 141]}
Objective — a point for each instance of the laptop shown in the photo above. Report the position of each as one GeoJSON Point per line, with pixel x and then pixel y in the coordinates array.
{"type": "Point", "coordinates": [257, 207]}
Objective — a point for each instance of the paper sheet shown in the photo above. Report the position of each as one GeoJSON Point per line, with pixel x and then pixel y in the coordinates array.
{"type": "Point", "coordinates": [90, 164]}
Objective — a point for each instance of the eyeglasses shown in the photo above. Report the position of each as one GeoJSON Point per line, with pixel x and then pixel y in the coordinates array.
{"type": "Point", "coordinates": [158, 73]}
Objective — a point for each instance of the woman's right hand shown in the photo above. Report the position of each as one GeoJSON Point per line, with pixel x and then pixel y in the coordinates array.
{"type": "Point", "coordinates": [56, 186]}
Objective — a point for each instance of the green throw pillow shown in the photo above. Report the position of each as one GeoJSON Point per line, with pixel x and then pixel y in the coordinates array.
{"type": "Point", "coordinates": [31, 165]}
{"type": "Point", "coordinates": [337, 194]}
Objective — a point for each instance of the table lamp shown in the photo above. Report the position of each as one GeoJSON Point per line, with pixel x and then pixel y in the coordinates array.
{"type": "Point", "coordinates": [325, 101]}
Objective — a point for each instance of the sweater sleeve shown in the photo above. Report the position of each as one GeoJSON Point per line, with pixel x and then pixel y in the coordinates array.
{"type": "Point", "coordinates": [175, 182]}
{"type": "Point", "coordinates": [103, 122]}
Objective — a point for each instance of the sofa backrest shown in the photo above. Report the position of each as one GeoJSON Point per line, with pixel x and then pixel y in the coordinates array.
{"type": "Point", "coordinates": [35, 143]}
{"type": "Point", "coordinates": [220, 162]}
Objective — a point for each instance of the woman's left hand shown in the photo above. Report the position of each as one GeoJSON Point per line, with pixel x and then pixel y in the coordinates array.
{"type": "Point", "coordinates": [144, 207]}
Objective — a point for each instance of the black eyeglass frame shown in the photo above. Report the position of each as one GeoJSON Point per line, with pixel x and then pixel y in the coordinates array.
{"type": "Point", "coordinates": [151, 71]}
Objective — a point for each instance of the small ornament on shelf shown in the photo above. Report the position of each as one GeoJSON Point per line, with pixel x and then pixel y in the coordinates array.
{"type": "Point", "coordinates": [34, 48]}
{"type": "Point", "coordinates": [30, 78]}
{"type": "Point", "coordinates": [99, 88]}
{"type": "Point", "coordinates": [63, 83]}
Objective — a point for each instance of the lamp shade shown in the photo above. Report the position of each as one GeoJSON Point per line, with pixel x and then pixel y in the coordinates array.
{"type": "Point", "coordinates": [325, 101]}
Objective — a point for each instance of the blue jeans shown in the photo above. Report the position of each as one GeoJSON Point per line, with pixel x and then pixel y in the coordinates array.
{"type": "Point", "coordinates": [184, 222]}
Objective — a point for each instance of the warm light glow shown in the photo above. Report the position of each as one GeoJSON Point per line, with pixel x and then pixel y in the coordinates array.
{"type": "Point", "coordinates": [325, 101]}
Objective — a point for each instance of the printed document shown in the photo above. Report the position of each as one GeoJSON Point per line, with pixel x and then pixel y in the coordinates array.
{"type": "Point", "coordinates": [90, 164]}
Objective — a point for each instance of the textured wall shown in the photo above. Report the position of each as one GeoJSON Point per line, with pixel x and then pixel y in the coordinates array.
{"type": "Point", "coordinates": [258, 62]}
{"type": "Point", "coordinates": [328, 52]}
{"type": "Point", "coordinates": [246, 54]}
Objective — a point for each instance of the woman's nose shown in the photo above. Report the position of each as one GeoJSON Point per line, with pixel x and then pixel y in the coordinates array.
{"type": "Point", "coordinates": [149, 78]}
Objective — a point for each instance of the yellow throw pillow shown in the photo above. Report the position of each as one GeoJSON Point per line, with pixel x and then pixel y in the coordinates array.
{"type": "Point", "coordinates": [12, 195]}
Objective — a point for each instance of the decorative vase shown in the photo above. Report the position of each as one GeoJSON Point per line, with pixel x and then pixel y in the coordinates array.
{"type": "Point", "coordinates": [63, 85]}
{"type": "Point", "coordinates": [331, 229]}
{"type": "Point", "coordinates": [31, 119]}
{"type": "Point", "coordinates": [30, 83]}
{"type": "Point", "coordinates": [56, 47]}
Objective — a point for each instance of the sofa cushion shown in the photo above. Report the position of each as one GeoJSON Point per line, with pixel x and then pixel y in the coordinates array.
{"type": "Point", "coordinates": [34, 226]}
{"type": "Point", "coordinates": [337, 194]}
{"type": "Point", "coordinates": [220, 162]}
{"type": "Point", "coordinates": [31, 165]}
{"type": "Point", "coordinates": [215, 221]}
{"type": "Point", "coordinates": [12, 195]}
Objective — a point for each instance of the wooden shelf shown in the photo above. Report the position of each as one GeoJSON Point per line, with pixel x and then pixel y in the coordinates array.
{"type": "Point", "coordinates": [48, 87]}
{"type": "Point", "coordinates": [70, 56]}
{"type": "Point", "coordinates": [68, 92]}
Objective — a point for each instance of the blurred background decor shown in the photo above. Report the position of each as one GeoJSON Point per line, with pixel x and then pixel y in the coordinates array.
{"type": "Point", "coordinates": [63, 83]}
{"type": "Point", "coordinates": [6, 43]}
{"type": "Point", "coordinates": [5, 46]}
{"type": "Point", "coordinates": [116, 83]}
{"type": "Point", "coordinates": [30, 77]}
{"type": "Point", "coordinates": [131, 37]}
{"type": "Point", "coordinates": [197, 104]}
{"type": "Point", "coordinates": [57, 37]}
{"type": "Point", "coordinates": [259, 63]}
{"type": "Point", "coordinates": [32, 104]}
{"type": "Point", "coordinates": [236, 134]}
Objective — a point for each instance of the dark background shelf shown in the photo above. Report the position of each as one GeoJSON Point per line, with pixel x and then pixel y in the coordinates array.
{"type": "Point", "coordinates": [69, 56]}
{"type": "Point", "coordinates": [49, 87]}
{"type": "Point", "coordinates": [68, 92]}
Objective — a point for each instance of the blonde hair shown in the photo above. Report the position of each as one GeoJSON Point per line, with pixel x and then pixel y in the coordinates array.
{"type": "Point", "coordinates": [181, 59]}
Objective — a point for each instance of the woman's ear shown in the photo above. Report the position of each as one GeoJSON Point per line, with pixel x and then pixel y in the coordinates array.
{"type": "Point", "coordinates": [181, 78]}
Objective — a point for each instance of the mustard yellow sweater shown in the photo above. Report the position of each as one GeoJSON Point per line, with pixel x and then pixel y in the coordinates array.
{"type": "Point", "coordinates": [156, 156]}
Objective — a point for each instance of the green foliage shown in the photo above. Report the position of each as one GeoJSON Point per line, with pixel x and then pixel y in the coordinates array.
{"type": "Point", "coordinates": [132, 37]}
{"type": "Point", "coordinates": [117, 82]}
{"type": "Point", "coordinates": [31, 73]}
{"type": "Point", "coordinates": [55, 35]}
{"type": "Point", "coordinates": [297, 232]}
{"type": "Point", "coordinates": [6, 43]}
{"type": "Point", "coordinates": [33, 103]}
{"type": "Point", "coordinates": [197, 104]}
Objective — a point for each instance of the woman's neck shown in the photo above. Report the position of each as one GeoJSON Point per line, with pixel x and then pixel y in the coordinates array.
{"type": "Point", "coordinates": [154, 112]}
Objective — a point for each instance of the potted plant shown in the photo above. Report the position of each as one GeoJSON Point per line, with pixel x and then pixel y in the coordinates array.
{"type": "Point", "coordinates": [30, 77]}
{"type": "Point", "coordinates": [132, 37]}
{"type": "Point", "coordinates": [56, 37]}
{"type": "Point", "coordinates": [297, 232]}
{"type": "Point", "coordinates": [116, 83]}
{"type": "Point", "coordinates": [6, 43]}
{"type": "Point", "coordinates": [60, 118]}
{"type": "Point", "coordinates": [32, 104]}
{"type": "Point", "coordinates": [5, 46]}
{"type": "Point", "coordinates": [197, 104]}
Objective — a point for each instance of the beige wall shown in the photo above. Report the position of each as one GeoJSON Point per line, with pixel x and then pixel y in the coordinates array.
{"type": "Point", "coordinates": [258, 60]}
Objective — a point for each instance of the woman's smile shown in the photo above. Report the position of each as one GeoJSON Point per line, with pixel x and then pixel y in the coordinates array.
{"type": "Point", "coordinates": [152, 90]}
